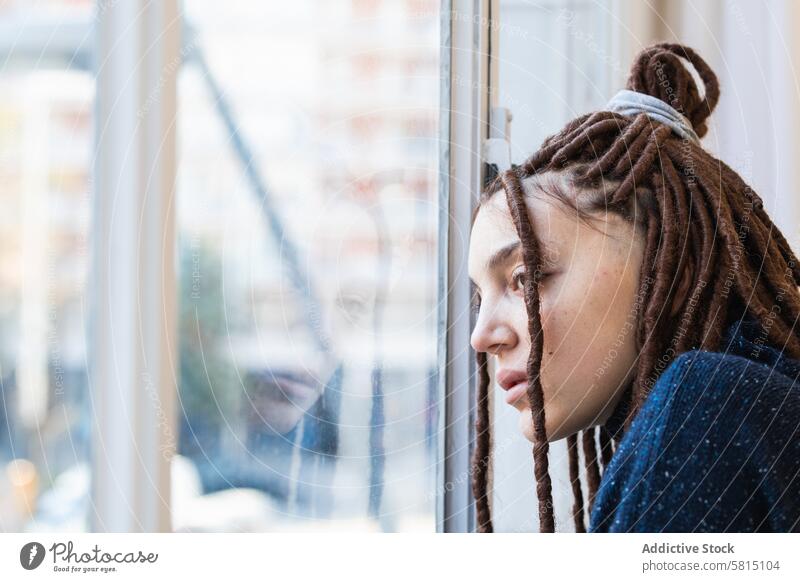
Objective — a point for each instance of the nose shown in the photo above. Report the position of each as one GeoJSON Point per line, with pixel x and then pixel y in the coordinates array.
{"type": "Point", "coordinates": [491, 334]}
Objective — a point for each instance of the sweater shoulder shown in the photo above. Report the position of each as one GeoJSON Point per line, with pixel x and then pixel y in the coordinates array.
{"type": "Point", "coordinates": [711, 420]}
{"type": "Point", "coordinates": [716, 379]}
{"type": "Point", "coordinates": [715, 396]}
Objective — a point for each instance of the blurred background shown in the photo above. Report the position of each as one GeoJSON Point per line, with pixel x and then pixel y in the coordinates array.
{"type": "Point", "coordinates": [307, 135]}
{"type": "Point", "coordinates": [308, 140]}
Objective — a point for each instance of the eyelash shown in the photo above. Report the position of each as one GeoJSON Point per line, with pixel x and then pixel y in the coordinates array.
{"type": "Point", "coordinates": [518, 275]}
{"type": "Point", "coordinates": [475, 303]}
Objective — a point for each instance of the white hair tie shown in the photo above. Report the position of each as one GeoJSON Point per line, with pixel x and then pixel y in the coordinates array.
{"type": "Point", "coordinates": [631, 103]}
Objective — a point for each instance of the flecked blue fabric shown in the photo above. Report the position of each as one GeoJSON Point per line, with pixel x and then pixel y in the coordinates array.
{"type": "Point", "coordinates": [714, 448]}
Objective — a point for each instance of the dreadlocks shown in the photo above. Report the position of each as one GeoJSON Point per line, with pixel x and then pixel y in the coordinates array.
{"type": "Point", "coordinates": [737, 262]}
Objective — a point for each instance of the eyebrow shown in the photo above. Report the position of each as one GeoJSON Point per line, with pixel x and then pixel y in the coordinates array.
{"type": "Point", "coordinates": [500, 256]}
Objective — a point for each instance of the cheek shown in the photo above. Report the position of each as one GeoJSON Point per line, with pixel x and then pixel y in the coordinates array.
{"type": "Point", "coordinates": [517, 316]}
{"type": "Point", "coordinates": [581, 317]}
{"type": "Point", "coordinates": [562, 309]}
{"type": "Point", "coordinates": [607, 336]}
{"type": "Point", "coordinates": [561, 349]}
{"type": "Point", "coordinates": [615, 291]}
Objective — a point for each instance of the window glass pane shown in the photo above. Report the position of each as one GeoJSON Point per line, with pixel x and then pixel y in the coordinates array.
{"type": "Point", "coordinates": [46, 133]}
{"type": "Point", "coordinates": [307, 208]}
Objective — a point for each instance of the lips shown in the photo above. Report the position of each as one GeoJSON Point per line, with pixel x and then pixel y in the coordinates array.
{"type": "Point", "coordinates": [291, 386]}
{"type": "Point", "coordinates": [514, 382]}
{"type": "Point", "coordinates": [516, 392]}
{"type": "Point", "coordinates": [296, 390]}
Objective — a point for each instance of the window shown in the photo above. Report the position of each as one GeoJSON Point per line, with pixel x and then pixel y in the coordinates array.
{"type": "Point", "coordinates": [46, 141]}
{"type": "Point", "coordinates": [307, 210]}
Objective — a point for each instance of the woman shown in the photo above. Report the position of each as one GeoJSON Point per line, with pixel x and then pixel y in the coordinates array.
{"type": "Point", "coordinates": [631, 288]}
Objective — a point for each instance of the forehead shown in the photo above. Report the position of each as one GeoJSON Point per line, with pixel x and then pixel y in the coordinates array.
{"type": "Point", "coordinates": [494, 228]}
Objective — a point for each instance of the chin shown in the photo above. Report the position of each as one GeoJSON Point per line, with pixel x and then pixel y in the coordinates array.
{"type": "Point", "coordinates": [526, 424]}
{"type": "Point", "coordinates": [281, 420]}
{"type": "Point", "coordinates": [526, 427]}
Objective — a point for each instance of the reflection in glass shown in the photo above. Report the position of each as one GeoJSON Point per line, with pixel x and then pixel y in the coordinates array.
{"type": "Point", "coordinates": [307, 217]}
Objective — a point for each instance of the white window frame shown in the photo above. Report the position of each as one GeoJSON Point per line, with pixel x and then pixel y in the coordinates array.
{"type": "Point", "coordinates": [132, 379]}
{"type": "Point", "coordinates": [467, 74]}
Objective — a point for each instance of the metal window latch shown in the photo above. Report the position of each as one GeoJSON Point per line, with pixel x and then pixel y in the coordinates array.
{"type": "Point", "coordinates": [496, 148]}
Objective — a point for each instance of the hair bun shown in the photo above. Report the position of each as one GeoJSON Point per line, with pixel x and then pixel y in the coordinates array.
{"type": "Point", "coordinates": [662, 71]}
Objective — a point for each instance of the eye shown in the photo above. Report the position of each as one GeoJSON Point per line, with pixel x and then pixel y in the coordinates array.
{"type": "Point", "coordinates": [518, 279]}
{"type": "Point", "coordinates": [475, 304]}
{"type": "Point", "coordinates": [353, 305]}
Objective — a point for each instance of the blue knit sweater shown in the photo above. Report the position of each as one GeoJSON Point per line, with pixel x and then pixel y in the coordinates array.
{"type": "Point", "coordinates": [714, 448]}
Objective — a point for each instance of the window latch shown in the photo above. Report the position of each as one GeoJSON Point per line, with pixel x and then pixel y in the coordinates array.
{"type": "Point", "coordinates": [496, 152]}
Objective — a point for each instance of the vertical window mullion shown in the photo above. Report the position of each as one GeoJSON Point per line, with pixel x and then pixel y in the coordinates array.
{"type": "Point", "coordinates": [132, 355]}
{"type": "Point", "coordinates": [466, 75]}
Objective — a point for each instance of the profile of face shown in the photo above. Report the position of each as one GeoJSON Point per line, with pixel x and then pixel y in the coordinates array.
{"type": "Point", "coordinates": [344, 288]}
{"type": "Point", "coordinates": [286, 392]}
{"type": "Point", "coordinates": [590, 278]}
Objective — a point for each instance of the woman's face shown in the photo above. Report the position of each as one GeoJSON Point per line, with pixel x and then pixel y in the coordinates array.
{"type": "Point", "coordinates": [588, 291]}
